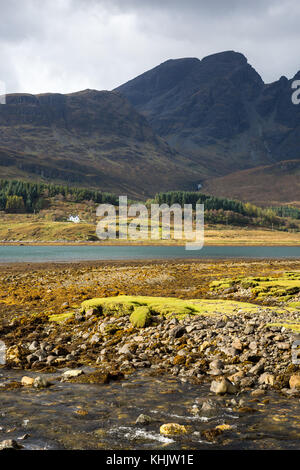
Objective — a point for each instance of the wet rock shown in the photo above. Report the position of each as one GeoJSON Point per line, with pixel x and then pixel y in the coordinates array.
{"type": "Point", "coordinates": [144, 419]}
{"type": "Point", "coordinates": [223, 386]}
{"type": "Point", "coordinates": [171, 429]}
{"type": "Point", "coordinates": [41, 382]}
{"type": "Point", "coordinates": [257, 393]}
{"type": "Point", "coordinates": [27, 381]}
{"type": "Point", "coordinates": [10, 444]}
{"type": "Point", "coordinates": [24, 437]}
{"type": "Point", "coordinates": [72, 373]}
{"type": "Point", "coordinates": [211, 435]}
{"type": "Point", "coordinates": [209, 408]}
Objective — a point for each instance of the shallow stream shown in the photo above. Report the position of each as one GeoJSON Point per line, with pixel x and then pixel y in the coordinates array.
{"type": "Point", "coordinates": [83, 416]}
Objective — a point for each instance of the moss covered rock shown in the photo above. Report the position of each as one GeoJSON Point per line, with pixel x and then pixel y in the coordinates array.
{"type": "Point", "coordinates": [171, 429]}
{"type": "Point", "coordinates": [141, 317]}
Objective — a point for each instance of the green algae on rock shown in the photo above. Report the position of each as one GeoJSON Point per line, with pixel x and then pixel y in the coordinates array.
{"type": "Point", "coordinates": [282, 288]}
{"type": "Point", "coordinates": [167, 306]}
{"type": "Point", "coordinates": [141, 317]}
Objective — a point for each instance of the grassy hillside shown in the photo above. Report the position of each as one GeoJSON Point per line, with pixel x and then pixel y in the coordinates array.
{"type": "Point", "coordinates": [264, 185]}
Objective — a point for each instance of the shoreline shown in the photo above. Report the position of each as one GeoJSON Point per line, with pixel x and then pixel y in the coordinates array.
{"type": "Point", "coordinates": [126, 243]}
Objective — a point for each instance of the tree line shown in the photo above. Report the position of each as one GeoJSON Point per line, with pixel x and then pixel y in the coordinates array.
{"type": "Point", "coordinates": [22, 196]}
{"type": "Point", "coordinates": [230, 211]}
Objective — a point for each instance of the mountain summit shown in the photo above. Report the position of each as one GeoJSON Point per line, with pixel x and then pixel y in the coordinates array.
{"type": "Point", "coordinates": [218, 111]}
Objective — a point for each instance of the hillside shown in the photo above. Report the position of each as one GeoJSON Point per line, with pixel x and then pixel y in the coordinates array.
{"type": "Point", "coordinates": [264, 185]}
{"type": "Point", "coordinates": [91, 138]}
{"type": "Point", "coordinates": [219, 111]}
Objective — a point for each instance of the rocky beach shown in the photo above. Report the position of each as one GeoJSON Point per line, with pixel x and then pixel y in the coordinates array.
{"type": "Point", "coordinates": [227, 331]}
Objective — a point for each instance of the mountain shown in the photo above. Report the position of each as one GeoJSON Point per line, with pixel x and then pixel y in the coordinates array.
{"type": "Point", "coordinates": [219, 112]}
{"type": "Point", "coordinates": [90, 138]}
{"type": "Point", "coordinates": [265, 185]}
{"type": "Point", "coordinates": [185, 122]}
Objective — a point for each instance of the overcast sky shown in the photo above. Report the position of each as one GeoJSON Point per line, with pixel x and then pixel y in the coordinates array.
{"type": "Point", "coordinates": [70, 45]}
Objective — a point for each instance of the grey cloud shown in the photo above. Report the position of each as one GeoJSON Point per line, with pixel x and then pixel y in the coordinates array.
{"type": "Point", "coordinates": [67, 45]}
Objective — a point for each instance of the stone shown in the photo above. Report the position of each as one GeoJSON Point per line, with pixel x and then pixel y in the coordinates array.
{"type": "Point", "coordinates": [31, 358]}
{"type": "Point", "coordinates": [295, 382]}
{"type": "Point", "coordinates": [253, 345]}
{"type": "Point", "coordinates": [237, 376]}
{"type": "Point", "coordinates": [90, 312]}
{"type": "Point", "coordinates": [10, 444]}
{"type": "Point", "coordinates": [171, 429]}
{"type": "Point", "coordinates": [204, 346]}
{"type": "Point", "coordinates": [95, 339]}
{"type": "Point", "coordinates": [216, 364]}
{"type": "Point", "coordinates": [283, 346]}
{"type": "Point", "coordinates": [249, 330]}
{"type": "Point", "coordinates": [33, 346]}
{"type": "Point", "coordinates": [51, 359]}
{"type": "Point", "coordinates": [72, 373]}
{"type": "Point", "coordinates": [224, 427]}
{"type": "Point", "coordinates": [125, 350]}
{"type": "Point", "coordinates": [259, 367]}
{"type": "Point", "coordinates": [258, 393]}
{"type": "Point", "coordinates": [177, 332]}
{"type": "Point", "coordinates": [13, 354]}
{"type": "Point", "coordinates": [237, 344]}
{"type": "Point", "coordinates": [223, 386]}
{"type": "Point", "coordinates": [209, 408]}
{"type": "Point", "coordinates": [267, 379]}
{"type": "Point", "coordinates": [190, 328]}
{"type": "Point", "coordinates": [41, 382]}
{"type": "Point", "coordinates": [27, 381]}
{"type": "Point", "coordinates": [143, 419]}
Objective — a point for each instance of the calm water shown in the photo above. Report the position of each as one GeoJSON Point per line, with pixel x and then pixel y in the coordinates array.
{"type": "Point", "coordinates": [10, 254]}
